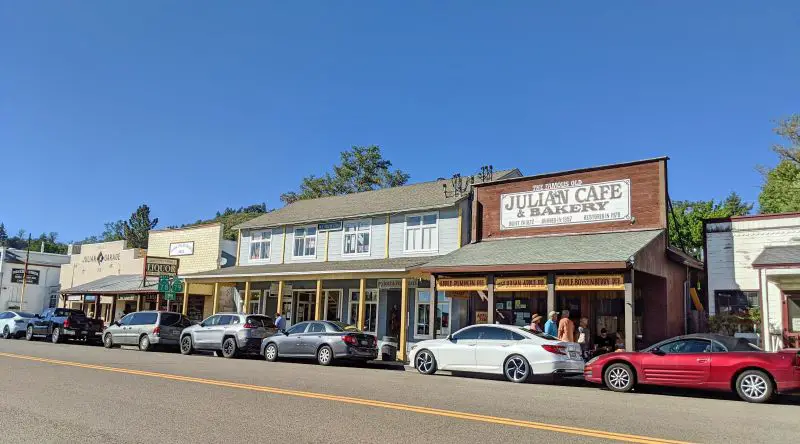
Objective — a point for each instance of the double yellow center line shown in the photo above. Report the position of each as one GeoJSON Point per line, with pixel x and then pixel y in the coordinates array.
{"type": "Point", "coordinates": [365, 402]}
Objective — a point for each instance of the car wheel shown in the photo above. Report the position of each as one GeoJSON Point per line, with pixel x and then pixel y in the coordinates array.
{"type": "Point", "coordinates": [229, 349]}
{"type": "Point", "coordinates": [516, 369]}
{"type": "Point", "coordinates": [108, 342]}
{"type": "Point", "coordinates": [144, 343]}
{"type": "Point", "coordinates": [271, 353]}
{"type": "Point", "coordinates": [619, 377]}
{"type": "Point", "coordinates": [186, 345]}
{"type": "Point", "coordinates": [324, 355]}
{"type": "Point", "coordinates": [56, 335]}
{"type": "Point", "coordinates": [29, 333]}
{"type": "Point", "coordinates": [754, 386]}
{"type": "Point", "coordinates": [425, 362]}
{"type": "Point", "coordinates": [6, 332]}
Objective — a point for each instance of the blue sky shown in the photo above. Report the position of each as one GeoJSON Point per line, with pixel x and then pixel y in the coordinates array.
{"type": "Point", "coordinates": [191, 107]}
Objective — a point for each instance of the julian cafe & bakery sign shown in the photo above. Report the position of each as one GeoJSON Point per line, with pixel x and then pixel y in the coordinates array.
{"type": "Point", "coordinates": [566, 203]}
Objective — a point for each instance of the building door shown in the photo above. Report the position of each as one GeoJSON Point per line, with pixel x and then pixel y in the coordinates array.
{"type": "Point", "coordinates": [332, 309]}
{"type": "Point", "coordinates": [791, 319]}
{"type": "Point", "coordinates": [306, 302]}
{"type": "Point", "coordinates": [370, 310]}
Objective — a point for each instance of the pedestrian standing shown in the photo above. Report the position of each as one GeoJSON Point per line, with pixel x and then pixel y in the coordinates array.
{"type": "Point", "coordinates": [536, 323]}
{"type": "Point", "coordinates": [583, 336]}
{"type": "Point", "coordinates": [566, 328]}
{"type": "Point", "coordinates": [551, 326]}
{"type": "Point", "coordinates": [280, 323]}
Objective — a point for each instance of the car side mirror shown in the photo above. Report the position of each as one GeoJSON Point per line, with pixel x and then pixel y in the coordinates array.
{"type": "Point", "coordinates": [115, 324]}
{"type": "Point", "coordinates": [657, 352]}
{"type": "Point", "coordinates": [450, 337]}
{"type": "Point", "coordinates": [202, 324]}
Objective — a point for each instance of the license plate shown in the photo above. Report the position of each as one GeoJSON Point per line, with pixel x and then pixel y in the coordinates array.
{"type": "Point", "coordinates": [83, 332]}
{"type": "Point", "coordinates": [362, 342]}
{"type": "Point", "coordinates": [574, 355]}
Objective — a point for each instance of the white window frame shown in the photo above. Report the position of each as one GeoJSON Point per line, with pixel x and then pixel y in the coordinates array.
{"type": "Point", "coordinates": [376, 302]}
{"type": "Point", "coordinates": [434, 239]}
{"type": "Point", "coordinates": [356, 223]}
{"type": "Point", "coordinates": [260, 241]}
{"type": "Point", "coordinates": [417, 303]}
{"type": "Point", "coordinates": [305, 238]}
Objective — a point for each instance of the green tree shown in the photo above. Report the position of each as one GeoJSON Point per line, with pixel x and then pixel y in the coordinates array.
{"type": "Point", "coordinates": [114, 231]}
{"type": "Point", "coordinates": [686, 227]}
{"type": "Point", "coordinates": [362, 168]}
{"type": "Point", "coordinates": [137, 228]}
{"type": "Point", "coordinates": [780, 192]}
{"type": "Point", "coordinates": [50, 242]}
{"type": "Point", "coordinates": [3, 234]}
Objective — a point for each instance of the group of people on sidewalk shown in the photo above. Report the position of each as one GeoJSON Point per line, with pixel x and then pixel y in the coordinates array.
{"type": "Point", "coordinates": [564, 329]}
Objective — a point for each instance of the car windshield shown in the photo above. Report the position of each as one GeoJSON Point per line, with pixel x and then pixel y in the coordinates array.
{"type": "Point", "coordinates": [341, 326]}
{"type": "Point", "coordinates": [538, 334]}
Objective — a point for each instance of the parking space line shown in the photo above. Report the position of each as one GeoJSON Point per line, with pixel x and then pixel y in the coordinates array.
{"type": "Point", "coordinates": [361, 401]}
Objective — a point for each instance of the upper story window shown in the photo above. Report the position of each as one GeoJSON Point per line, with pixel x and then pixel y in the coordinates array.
{"type": "Point", "coordinates": [305, 242]}
{"type": "Point", "coordinates": [422, 232]}
{"type": "Point", "coordinates": [356, 238]}
{"type": "Point", "coordinates": [260, 243]}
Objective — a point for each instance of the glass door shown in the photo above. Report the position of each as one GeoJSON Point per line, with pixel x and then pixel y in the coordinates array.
{"type": "Point", "coordinates": [333, 300]}
{"type": "Point", "coordinates": [305, 306]}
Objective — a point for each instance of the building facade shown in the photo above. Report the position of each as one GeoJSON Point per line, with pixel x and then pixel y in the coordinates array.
{"type": "Point", "coordinates": [754, 262]}
{"type": "Point", "coordinates": [41, 281]}
{"type": "Point", "coordinates": [353, 259]}
{"type": "Point", "coordinates": [592, 241]}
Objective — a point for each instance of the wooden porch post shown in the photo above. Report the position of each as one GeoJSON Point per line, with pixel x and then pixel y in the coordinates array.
{"type": "Point", "coordinates": [185, 308]}
{"type": "Point", "coordinates": [216, 298]}
{"type": "Point", "coordinates": [401, 346]}
{"type": "Point", "coordinates": [318, 304]}
{"type": "Point", "coordinates": [490, 301]}
{"type": "Point", "coordinates": [280, 300]}
{"type": "Point", "coordinates": [139, 302]}
{"type": "Point", "coordinates": [246, 308]}
{"type": "Point", "coordinates": [551, 294]}
{"type": "Point", "coordinates": [362, 302]}
{"type": "Point", "coordinates": [630, 334]}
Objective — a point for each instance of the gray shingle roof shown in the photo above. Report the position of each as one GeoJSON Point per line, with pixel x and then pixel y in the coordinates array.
{"type": "Point", "coordinates": [785, 254]}
{"type": "Point", "coordinates": [414, 197]}
{"type": "Point", "coordinates": [578, 248]}
{"type": "Point", "coordinates": [305, 268]}
{"type": "Point", "coordinates": [118, 284]}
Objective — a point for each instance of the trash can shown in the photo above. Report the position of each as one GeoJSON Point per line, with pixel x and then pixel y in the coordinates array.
{"type": "Point", "coordinates": [389, 349]}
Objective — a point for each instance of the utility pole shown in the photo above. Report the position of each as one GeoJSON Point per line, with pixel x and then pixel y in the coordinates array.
{"type": "Point", "coordinates": [25, 274]}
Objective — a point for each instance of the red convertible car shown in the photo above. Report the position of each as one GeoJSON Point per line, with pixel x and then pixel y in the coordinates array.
{"type": "Point", "coordinates": [703, 361]}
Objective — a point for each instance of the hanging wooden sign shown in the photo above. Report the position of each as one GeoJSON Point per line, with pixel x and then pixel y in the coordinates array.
{"type": "Point", "coordinates": [522, 283]}
{"type": "Point", "coordinates": [590, 282]}
{"type": "Point", "coordinates": [462, 284]}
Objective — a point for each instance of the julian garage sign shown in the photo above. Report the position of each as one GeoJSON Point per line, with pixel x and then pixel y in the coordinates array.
{"type": "Point", "coordinates": [566, 203]}
{"type": "Point", "coordinates": [160, 266]}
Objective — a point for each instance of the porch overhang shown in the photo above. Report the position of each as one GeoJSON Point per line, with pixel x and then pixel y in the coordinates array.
{"type": "Point", "coordinates": [784, 256]}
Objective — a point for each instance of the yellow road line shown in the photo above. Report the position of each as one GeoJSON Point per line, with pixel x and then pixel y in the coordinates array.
{"type": "Point", "coordinates": [365, 402]}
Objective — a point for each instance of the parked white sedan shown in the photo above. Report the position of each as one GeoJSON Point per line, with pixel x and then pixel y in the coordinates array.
{"type": "Point", "coordinates": [512, 351]}
{"type": "Point", "coordinates": [13, 323]}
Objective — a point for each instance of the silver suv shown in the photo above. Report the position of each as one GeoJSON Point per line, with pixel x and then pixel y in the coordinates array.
{"type": "Point", "coordinates": [228, 333]}
{"type": "Point", "coordinates": [146, 329]}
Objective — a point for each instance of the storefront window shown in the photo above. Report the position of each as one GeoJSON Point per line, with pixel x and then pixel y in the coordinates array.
{"type": "Point", "coordinates": [735, 301]}
{"type": "Point", "coordinates": [423, 310]}
{"type": "Point", "coordinates": [255, 301]}
{"type": "Point", "coordinates": [793, 307]}
{"type": "Point", "coordinates": [370, 310]}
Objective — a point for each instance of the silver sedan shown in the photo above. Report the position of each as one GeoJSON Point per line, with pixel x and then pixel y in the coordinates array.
{"type": "Point", "coordinates": [321, 340]}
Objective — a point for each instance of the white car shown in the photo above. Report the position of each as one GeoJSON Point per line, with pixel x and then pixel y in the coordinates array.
{"type": "Point", "coordinates": [13, 323]}
{"type": "Point", "coordinates": [512, 351]}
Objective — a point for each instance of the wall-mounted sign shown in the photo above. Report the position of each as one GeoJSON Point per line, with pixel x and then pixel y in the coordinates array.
{"type": "Point", "coordinates": [481, 317]}
{"type": "Point", "coordinates": [89, 298]}
{"type": "Point", "coordinates": [127, 297]}
{"type": "Point", "coordinates": [533, 283]}
{"type": "Point", "coordinates": [590, 282]}
{"type": "Point", "coordinates": [100, 257]}
{"type": "Point", "coordinates": [329, 226]}
{"type": "Point", "coordinates": [458, 294]}
{"type": "Point", "coordinates": [160, 266]}
{"type": "Point", "coordinates": [18, 275]}
{"type": "Point", "coordinates": [75, 298]}
{"type": "Point", "coordinates": [566, 203]}
{"type": "Point", "coordinates": [181, 248]}
{"type": "Point", "coordinates": [106, 299]}
{"type": "Point", "coordinates": [395, 284]}
{"type": "Point", "coordinates": [462, 284]}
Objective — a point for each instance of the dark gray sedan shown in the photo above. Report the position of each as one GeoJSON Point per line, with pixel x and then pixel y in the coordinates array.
{"type": "Point", "coordinates": [322, 340]}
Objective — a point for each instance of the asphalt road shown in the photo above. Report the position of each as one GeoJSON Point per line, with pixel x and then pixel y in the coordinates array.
{"type": "Point", "coordinates": [76, 393]}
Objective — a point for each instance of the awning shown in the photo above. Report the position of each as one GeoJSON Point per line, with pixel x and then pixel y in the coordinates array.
{"type": "Point", "coordinates": [778, 256]}
{"type": "Point", "coordinates": [576, 252]}
{"type": "Point", "coordinates": [310, 270]}
{"type": "Point", "coordinates": [118, 284]}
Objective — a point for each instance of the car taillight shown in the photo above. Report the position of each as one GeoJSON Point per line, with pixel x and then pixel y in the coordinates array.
{"type": "Point", "coordinates": [556, 349]}
{"type": "Point", "coordinates": [350, 340]}
{"type": "Point", "coordinates": [248, 325]}
{"type": "Point", "coordinates": [66, 323]}
{"type": "Point", "coordinates": [157, 331]}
